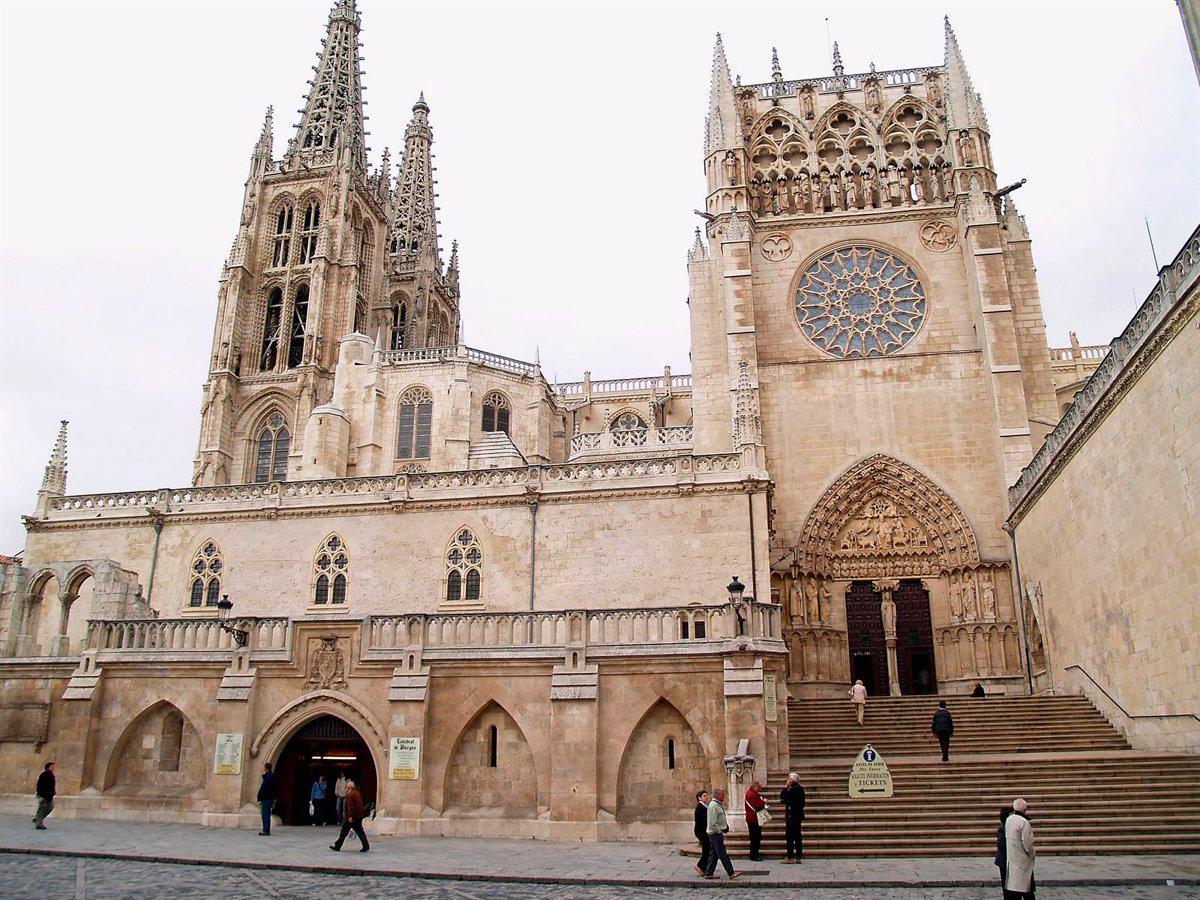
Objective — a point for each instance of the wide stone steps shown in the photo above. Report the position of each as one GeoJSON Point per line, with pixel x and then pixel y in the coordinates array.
{"type": "Point", "coordinates": [1088, 791]}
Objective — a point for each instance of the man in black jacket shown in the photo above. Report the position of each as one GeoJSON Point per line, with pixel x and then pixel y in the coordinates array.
{"type": "Point", "coordinates": [266, 798]}
{"type": "Point", "coordinates": [700, 819]}
{"type": "Point", "coordinates": [45, 795]}
{"type": "Point", "coordinates": [792, 800]}
{"type": "Point", "coordinates": [943, 727]}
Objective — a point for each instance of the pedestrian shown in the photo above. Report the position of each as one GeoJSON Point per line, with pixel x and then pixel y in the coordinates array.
{"type": "Point", "coordinates": [1020, 856]}
{"type": "Point", "coordinates": [316, 800]}
{"type": "Point", "coordinates": [353, 818]}
{"type": "Point", "coordinates": [1002, 847]}
{"type": "Point", "coordinates": [718, 827]}
{"type": "Point", "coordinates": [943, 727]}
{"type": "Point", "coordinates": [45, 796]}
{"type": "Point", "coordinates": [339, 792]}
{"type": "Point", "coordinates": [979, 691]}
{"type": "Point", "coordinates": [792, 800]}
{"type": "Point", "coordinates": [700, 828]}
{"type": "Point", "coordinates": [266, 798]}
{"type": "Point", "coordinates": [858, 696]}
{"type": "Point", "coordinates": [754, 804]}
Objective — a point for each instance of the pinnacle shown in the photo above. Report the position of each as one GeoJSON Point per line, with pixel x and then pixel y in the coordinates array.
{"type": "Point", "coordinates": [421, 104]}
{"type": "Point", "coordinates": [776, 71]}
{"type": "Point", "coordinates": [838, 68]}
{"type": "Point", "coordinates": [55, 479]}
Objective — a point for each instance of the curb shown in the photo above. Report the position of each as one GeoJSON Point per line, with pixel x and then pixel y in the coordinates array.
{"type": "Point", "coordinates": [566, 880]}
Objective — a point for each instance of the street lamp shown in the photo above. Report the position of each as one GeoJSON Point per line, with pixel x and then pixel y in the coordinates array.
{"type": "Point", "coordinates": [736, 589]}
{"type": "Point", "coordinates": [224, 605]}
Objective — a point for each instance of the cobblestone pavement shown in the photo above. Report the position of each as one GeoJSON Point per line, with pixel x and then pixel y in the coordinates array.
{"type": "Point", "coordinates": [27, 876]}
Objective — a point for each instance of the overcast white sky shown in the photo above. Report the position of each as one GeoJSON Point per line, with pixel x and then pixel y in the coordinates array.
{"type": "Point", "coordinates": [568, 142]}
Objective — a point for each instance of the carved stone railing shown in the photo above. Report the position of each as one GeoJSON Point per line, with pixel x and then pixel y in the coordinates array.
{"type": "Point", "coordinates": [1070, 354]}
{"type": "Point", "coordinates": [622, 385]}
{"type": "Point", "coordinates": [439, 354]}
{"type": "Point", "coordinates": [634, 440]}
{"type": "Point", "coordinates": [374, 489]}
{"type": "Point", "coordinates": [184, 635]}
{"type": "Point", "coordinates": [1159, 318]}
{"type": "Point", "coordinates": [615, 632]}
{"type": "Point", "coordinates": [891, 78]}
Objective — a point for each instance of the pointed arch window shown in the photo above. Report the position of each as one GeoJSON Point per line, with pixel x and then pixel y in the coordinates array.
{"type": "Point", "coordinates": [207, 569]}
{"type": "Point", "coordinates": [274, 442]}
{"type": "Point", "coordinates": [308, 231]}
{"type": "Point", "coordinates": [283, 237]}
{"type": "Point", "coordinates": [464, 568]}
{"type": "Point", "coordinates": [413, 439]}
{"type": "Point", "coordinates": [496, 413]}
{"type": "Point", "coordinates": [272, 321]}
{"type": "Point", "coordinates": [366, 254]}
{"type": "Point", "coordinates": [332, 570]}
{"type": "Point", "coordinates": [399, 325]}
{"type": "Point", "coordinates": [299, 327]}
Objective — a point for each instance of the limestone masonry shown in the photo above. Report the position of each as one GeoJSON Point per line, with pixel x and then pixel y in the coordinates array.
{"type": "Point", "coordinates": [500, 603]}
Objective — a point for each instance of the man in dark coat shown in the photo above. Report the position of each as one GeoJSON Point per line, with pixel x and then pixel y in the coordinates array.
{"type": "Point", "coordinates": [700, 829]}
{"type": "Point", "coordinates": [353, 818]}
{"type": "Point", "coordinates": [45, 796]}
{"type": "Point", "coordinates": [792, 800]}
{"type": "Point", "coordinates": [943, 727]}
{"type": "Point", "coordinates": [266, 798]}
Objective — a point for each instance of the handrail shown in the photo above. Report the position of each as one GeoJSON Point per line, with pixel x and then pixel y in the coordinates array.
{"type": "Point", "coordinates": [1117, 704]}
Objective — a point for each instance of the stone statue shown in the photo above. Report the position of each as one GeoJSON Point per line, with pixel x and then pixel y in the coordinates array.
{"type": "Point", "coordinates": [933, 91]}
{"type": "Point", "coordinates": [816, 195]}
{"type": "Point", "coordinates": [893, 183]}
{"type": "Point", "coordinates": [796, 602]}
{"type": "Point", "coordinates": [851, 193]}
{"type": "Point", "coordinates": [811, 601]}
{"type": "Point", "coordinates": [755, 197]}
{"type": "Point", "coordinates": [989, 599]}
{"type": "Point", "coordinates": [824, 605]}
{"type": "Point", "coordinates": [905, 186]}
{"type": "Point", "coordinates": [835, 191]}
{"type": "Point", "coordinates": [970, 596]}
{"type": "Point", "coordinates": [868, 189]}
{"type": "Point", "coordinates": [966, 148]}
{"type": "Point", "coordinates": [888, 609]}
{"type": "Point", "coordinates": [806, 102]}
{"type": "Point", "coordinates": [918, 185]}
{"type": "Point", "coordinates": [730, 166]}
{"type": "Point", "coordinates": [956, 605]}
{"type": "Point", "coordinates": [800, 191]}
{"type": "Point", "coordinates": [871, 94]}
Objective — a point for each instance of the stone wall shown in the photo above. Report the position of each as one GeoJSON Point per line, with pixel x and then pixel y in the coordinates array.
{"type": "Point", "coordinates": [159, 756]}
{"type": "Point", "coordinates": [492, 776]}
{"type": "Point", "coordinates": [662, 767]}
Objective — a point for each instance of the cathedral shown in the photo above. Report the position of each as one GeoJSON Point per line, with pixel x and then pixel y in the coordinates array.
{"type": "Point", "coordinates": [513, 606]}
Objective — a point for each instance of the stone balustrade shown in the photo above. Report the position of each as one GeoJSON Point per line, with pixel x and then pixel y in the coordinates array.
{"type": "Point", "coordinates": [472, 354]}
{"type": "Point", "coordinates": [602, 632]}
{"type": "Point", "coordinates": [633, 440]}
{"type": "Point", "coordinates": [184, 635]}
{"type": "Point", "coordinates": [589, 388]}
{"type": "Point", "coordinates": [1078, 351]}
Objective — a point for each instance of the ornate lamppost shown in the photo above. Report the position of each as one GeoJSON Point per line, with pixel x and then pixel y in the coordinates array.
{"type": "Point", "coordinates": [224, 605]}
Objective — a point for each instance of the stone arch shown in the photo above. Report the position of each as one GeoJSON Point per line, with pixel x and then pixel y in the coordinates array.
{"type": "Point", "coordinates": [491, 768]}
{"type": "Point", "coordinates": [147, 760]}
{"type": "Point", "coordinates": [41, 600]}
{"type": "Point", "coordinates": [883, 518]}
{"type": "Point", "coordinates": [76, 606]}
{"type": "Point", "coordinates": [304, 709]}
{"type": "Point", "coordinates": [612, 421]}
{"type": "Point", "coordinates": [648, 788]}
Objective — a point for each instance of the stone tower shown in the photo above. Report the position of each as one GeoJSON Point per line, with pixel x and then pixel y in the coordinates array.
{"type": "Point", "coordinates": [870, 291]}
{"type": "Point", "coordinates": [323, 250]}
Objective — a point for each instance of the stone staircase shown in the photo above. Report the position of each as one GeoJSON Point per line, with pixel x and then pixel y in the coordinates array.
{"type": "Point", "coordinates": [1088, 791]}
{"type": "Point", "coordinates": [493, 450]}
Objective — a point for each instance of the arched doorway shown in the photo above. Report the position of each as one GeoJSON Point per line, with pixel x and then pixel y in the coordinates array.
{"type": "Point", "coordinates": [325, 746]}
{"type": "Point", "coordinates": [868, 649]}
{"type": "Point", "coordinates": [915, 669]}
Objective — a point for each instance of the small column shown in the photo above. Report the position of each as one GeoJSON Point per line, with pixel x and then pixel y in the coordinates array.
{"type": "Point", "coordinates": [887, 608]}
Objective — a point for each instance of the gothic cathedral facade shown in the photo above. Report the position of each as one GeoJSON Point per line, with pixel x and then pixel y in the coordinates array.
{"type": "Point", "coordinates": [498, 593]}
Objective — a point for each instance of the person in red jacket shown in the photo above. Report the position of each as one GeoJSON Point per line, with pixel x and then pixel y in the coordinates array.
{"type": "Point", "coordinates": [754, 803]}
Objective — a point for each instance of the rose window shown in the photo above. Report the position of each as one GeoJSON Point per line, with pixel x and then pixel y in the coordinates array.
{"type": "Point", "coordinates": [860, 301]}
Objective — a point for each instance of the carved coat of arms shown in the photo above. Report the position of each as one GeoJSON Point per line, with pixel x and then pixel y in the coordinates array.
{"type": "Point", "coordinates": [326, 665]}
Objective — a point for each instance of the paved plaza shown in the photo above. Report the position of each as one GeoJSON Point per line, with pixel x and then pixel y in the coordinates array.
{"type": "Point", "coordinates": [93, 858]}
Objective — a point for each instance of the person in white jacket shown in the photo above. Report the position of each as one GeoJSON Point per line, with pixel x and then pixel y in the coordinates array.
{"type": "Point", "coordinates": [1018, 838]}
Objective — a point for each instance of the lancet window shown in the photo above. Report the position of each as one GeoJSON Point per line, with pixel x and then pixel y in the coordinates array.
{"type": "Point", "coordinates": [464, 562]}
{"type": "Point", "coordinates": [207, 569]}
{"type": "Point", "coordinates": [332, 570]}
{"type": "Point", "coordinates": [274, 442]}
{"type": "Point", "coordinates": [309, 229]}
{"type": "Point", "coordinates": [496, 413]}
{"type": "Point", "coordinates": [416, 424]}
{"type": "Point", "coordinates": [283, 237]}
{"type": "Point", "coordinates": [272, 323]}
{"type": "Point", "coordinates": [299, 327]}
{"type": "Point", "coordinates": [399, 325]}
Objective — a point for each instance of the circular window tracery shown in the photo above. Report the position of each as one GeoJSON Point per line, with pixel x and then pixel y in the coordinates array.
{"type": "Point", "coordinates": [857, 302]}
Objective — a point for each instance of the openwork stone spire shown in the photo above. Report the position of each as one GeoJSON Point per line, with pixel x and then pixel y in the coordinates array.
{"type": "Point", "coordinates": [333, 109]}
{"type": "Point", "coordinates": [776, 69]}
{"type": "Point", "coordinates": [747, 420]}
{"type": "Point", "coordinates": [55, 479]}
{"type": "Point", "coordinates": [964, 109]}
{"type": "Point", "coordinates": [414, 224]}
{"type": "Point", "coordinates": [721, 131]}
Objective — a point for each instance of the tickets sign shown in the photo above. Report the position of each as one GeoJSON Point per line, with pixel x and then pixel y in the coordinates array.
{"type": "Point", "coordinates": [869, 776]}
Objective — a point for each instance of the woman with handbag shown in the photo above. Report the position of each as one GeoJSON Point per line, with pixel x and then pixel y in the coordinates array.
{"type": "Point", "coordinates": [756, 817]}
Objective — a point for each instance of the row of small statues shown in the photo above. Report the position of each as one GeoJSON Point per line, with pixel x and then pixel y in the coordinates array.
{"type": "Point", "coordinates": [811, 602]}
{"type": "Point", "coordinates": [970, 604]}
{"type": "Point", "coordinates": [778, 195]}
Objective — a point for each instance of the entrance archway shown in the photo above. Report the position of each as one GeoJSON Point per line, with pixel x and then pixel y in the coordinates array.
{"type": "Point", "coordinates": [326, 746]}
{"type": "Point", "coordinates": [915, 667]}
{"type": "Point", "coordinates": [868, 649]}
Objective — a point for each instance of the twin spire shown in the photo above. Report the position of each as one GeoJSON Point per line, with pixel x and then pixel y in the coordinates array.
{"type": "Point", "coordinates": [721, 129]}
{"type": "Point", "coordinates": [333, 110]}
{"type": "Point", "coordinates": [55, 479]}
{"type": "Point", "coordinates": [414, 222]}
{"type": "Point", "coordinates": [964, 109]}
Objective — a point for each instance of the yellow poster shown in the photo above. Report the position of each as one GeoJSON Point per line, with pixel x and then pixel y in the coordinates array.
{"type": "Point", "coordinates": [769, 700]}
{"type": "Point", "coordinates": [404, 760]}
{"type": "Point", "coordinates": [228, 758]}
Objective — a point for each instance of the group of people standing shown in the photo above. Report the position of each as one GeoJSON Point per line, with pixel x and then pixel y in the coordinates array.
{"type": "Point", "coordinates": [348, 805]}
{"type": "Point", "coordinates": [711, 825]}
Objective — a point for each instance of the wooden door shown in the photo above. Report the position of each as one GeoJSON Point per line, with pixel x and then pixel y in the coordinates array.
{"type": "Point", "coordinates": [915, 668]}
{"type": "Point", "coordinates": [864, 632]}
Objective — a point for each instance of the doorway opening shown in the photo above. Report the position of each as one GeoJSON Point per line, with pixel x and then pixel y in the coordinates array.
{"type": "Point", "coordinates": [326, 746]}
{"type": "Point", "coordinates": [915, 667]}
{"type": "Point", "coordinates": [868, 649]}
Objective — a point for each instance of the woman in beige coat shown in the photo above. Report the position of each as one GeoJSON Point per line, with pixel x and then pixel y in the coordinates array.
{"type": "Point", "coordinates": [1018, 834]}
